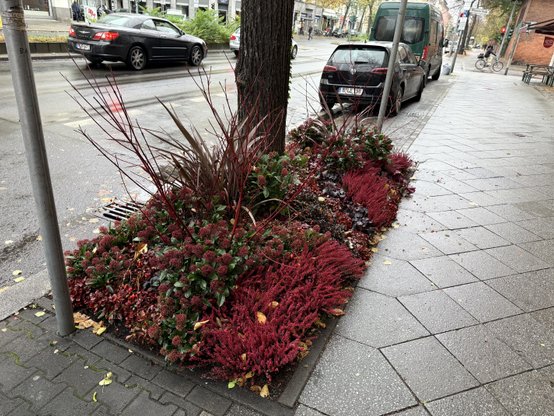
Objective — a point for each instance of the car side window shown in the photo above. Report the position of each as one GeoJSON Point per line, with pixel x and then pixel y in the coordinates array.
{"type": "Point", "coordinates": [166, 27]}
{"type": "Point", "coordinates": [433, 33]}
{"type": "Point", "coordinates": [148, 25]}
{"type": "Point", "coordinates": [402, 55]}
{"type": "Point", "coordinates": [411, 57]}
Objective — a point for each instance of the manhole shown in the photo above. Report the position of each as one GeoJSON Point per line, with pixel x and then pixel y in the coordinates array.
{"type": "Point", "coordinates": [118, 210]}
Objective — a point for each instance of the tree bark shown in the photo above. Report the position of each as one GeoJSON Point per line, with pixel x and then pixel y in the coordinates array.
{"type": "Point", "coordinates": [263, 67]}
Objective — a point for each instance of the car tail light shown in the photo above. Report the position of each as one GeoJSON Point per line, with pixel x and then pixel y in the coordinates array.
{"type": "Point", "coordinates": [425, 53]}
{"type": "Point", "coordinates": [72, 32]}
{"type": "Point", "coordinates": [329, 68]}
{"type": "Point", "coordinates": [381, 71]}
{"type": "Point", "coordinates": [233, 37]}
{"type": "Point", "coordinates": [106, 35]}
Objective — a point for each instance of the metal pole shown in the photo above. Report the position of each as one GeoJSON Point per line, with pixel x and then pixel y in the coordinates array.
{"type": "Point", "coordinates": [461, 38]}
{"type": "Point", "coordinates": [21, 69]}
{"type": "Point", "coordinates": [392, 63]}
{"type": "Point", "coordinates": [514, 48]}
{"type": "Point", "coordinates": [506, 32]}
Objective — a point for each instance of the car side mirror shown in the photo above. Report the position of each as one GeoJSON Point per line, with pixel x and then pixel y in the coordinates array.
{"type": "Point", "coordinates": [422, 63]}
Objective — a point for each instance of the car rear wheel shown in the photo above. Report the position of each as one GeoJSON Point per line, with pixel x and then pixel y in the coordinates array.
{"type": "Point", "coordinates": [437, 74]}
{"type": "Point", "coordinates": [236, 53]}
{"type": "Point", "coordinates": [94, 60]}
{"type": "Point", "coordinates": [137, 58]}
{"type": "Point", "coordinates": [195, 57]}
{"type": "Point", "coordinates": [420, 91]}
{"type": "Point", "coordinates": [294, 52]}
{"type": "Point", "coordinates": [397, 103]}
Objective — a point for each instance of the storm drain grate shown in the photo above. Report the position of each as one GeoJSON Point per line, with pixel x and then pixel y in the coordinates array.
{"type": "Point", "coordinates": [118, 210]}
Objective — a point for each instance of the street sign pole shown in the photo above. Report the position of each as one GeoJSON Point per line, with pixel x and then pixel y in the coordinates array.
{"type": "Point", "coordinates": [392, 63]}
{"type": "Point", "coordinates": [513, 48]}
{"type": "Point", "coordinates": [461, 38]}
{"type": "Point", "coordinates": [21, 68]}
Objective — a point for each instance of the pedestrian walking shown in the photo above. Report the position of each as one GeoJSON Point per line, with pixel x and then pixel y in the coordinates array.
{"type": "Point", "coordinates": [310, 30]}
{"type": "Point", "coordinates": [76, 11]}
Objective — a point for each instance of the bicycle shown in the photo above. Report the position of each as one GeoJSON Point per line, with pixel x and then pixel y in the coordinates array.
{"type": "Point", "coordinates": [482, 63]}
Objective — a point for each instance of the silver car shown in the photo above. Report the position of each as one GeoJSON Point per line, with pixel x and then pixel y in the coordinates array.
{"type": "Point", "coordinates": [234, 44]}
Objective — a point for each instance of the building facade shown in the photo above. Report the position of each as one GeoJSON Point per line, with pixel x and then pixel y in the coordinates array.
{"type": "Point", "coordinates": [308, 14]}
{"type": "Point", "coordinates": [531, 47]}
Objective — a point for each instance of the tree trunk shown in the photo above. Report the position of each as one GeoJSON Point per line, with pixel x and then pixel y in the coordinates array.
{"type": "Point", "coordinates": [345, 15]}
{"type": "Point", "coordinates": [361, 24]}
{"type": "Point", "coordinates": [369, 20]}
{"type": "Point", "coordinates": [263, 67]}
{"type": "Point", "coordinates": [468, 39]}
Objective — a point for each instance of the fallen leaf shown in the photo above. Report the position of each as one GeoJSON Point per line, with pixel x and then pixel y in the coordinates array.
{"type": "Point", "coordinates": [243, 357]}
{"type": "Point", "coordinates": [94, 397]}
{"type": "Point", "coordinates": [387, 262]}
{"type": "Point", "coordinates": [321, 199]}
{"type": "Point", "coordinates": [17, 272]}
{"type": "Point", "coordinates": [72, 239]}
{"type": "Point", "coordinates": [97, 231]}
{"type": "Point", "coordinates": [93, 220]}
{"type": "Point", "coordinates": [374, 249]}
{"type": "Point", "coordinates": [105, 381]}
{"type": "Point", "coordinates": [8, 242]}
{"type": "Point", "coordinates": [39, 238]}
{"type": "Point", "coordinates": [265, 391]}
{"type": "Point", "coordinates": [261, 318]}
{"type": "Point", "coordinates": [255, 389]}
{"type": "Point", "coordinates": [141, 248]}
{"type": "Point", "coordinates": [101, 330]}
{"type": "Point", "coordinates": [39, 314]}
{"type": "Point", "coordinates": [4, 288]}
{"type": "Point", "coordinates": [473, 203]}
{"type": "Point", "coordinates": [19, 279]}
{"type": "Point", "coordinates": [56, 351]}
{"type": "Point", "coordinates": [318, 323]}
{"type": "Point", "coordinates": [4, 329]}
{"type": "Point", "coordinates": [337, 312]}
{"type": "Point", "coordinates": [273, 304]}
{"type": "Point", "coordinates": [131, 351]}
{"type": "Point", "coordinates": [200, 324]}
{"type": "Point", "coordinates": [232, 383]}
{"type": "Point", "coordinates": [250, 374]}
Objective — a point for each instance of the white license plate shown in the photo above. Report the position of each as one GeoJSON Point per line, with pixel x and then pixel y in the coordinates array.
{"type": "Point", "coordinates": [82, 46]}
{"type": "Point", "coordinates": [351, 91]}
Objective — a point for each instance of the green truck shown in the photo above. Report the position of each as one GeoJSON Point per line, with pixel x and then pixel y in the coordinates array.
{"type": "Point", "coordinates": [423, 32]}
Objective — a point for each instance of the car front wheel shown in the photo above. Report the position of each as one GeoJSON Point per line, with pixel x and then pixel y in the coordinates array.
{"type": "Point", "coordinates": [195, 57]}
{"type": "Point", "coordinates": [137, 58]}
{"type": "Point", "coordinates": [396, 105]}
{"type": "Point", "coordinates": [294, 52]}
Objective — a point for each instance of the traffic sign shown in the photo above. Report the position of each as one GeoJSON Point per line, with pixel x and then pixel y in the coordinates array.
{"type": "Point", "coordinates": [480, 12]}
{"type": "Point", "coordinates": [462, 24]}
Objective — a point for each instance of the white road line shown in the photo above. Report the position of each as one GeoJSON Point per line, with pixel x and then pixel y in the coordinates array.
{"type": "Point", "coordinates": [75, 124]}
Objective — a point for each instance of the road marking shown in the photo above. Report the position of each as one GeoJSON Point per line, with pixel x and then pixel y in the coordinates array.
{"type": "Point", "coordinates": [135, 112]}
{"type": "Point", "coordinates": [75, 124]}
{"type": "Point", "coordinates": [197, 100]}
{"type": "Point", "coordinates": [169, 105]}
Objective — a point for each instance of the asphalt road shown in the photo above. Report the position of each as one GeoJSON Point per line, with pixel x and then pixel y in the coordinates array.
{"type": "Point", "coordinates": [83, 179]}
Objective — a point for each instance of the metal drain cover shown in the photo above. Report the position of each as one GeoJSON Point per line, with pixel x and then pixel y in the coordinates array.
{"type": "Point", "coordinates": [118, 210]}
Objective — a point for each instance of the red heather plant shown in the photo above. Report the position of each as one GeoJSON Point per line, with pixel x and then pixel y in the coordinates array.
{"type": "Point", "coordinates": [273, 308]}
{"type": "Point", "coordinates": [379, 195]}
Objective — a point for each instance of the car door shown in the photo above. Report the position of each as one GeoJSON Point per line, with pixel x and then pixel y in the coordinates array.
{"type": "Point", "coordinates": [407, 70]}
{"type": "Point", "coordinates": [150, 37]}
{"type": "Point", "coordinates": [173, 44]}
{"type": "Point", "coordinates": [418, 74]}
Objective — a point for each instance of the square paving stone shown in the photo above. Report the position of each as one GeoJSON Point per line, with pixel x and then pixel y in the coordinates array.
{"type": "Point", "coordinates": [513, 196]}
{"type": "Point", "coordinates": [480, 198]}
{"type": "Point", "coordinates": [12, 374]}
{"type": "Point", "coordinates": [79, 378]}
{"type": "Point", "coordinates": [143, 405]}
{"type": "Point", "coordinates": [449, 242]}
{"type": "Point", "coordinates": [378, 321]}
{"type": "Point", "coordinates": [490, 184]}
{"type": "Point", "coordinates": [115, 396]}
{"type": "Point", "coordinates": [67, 404]}
{"type": "Point", "coordinates": [110, 352]}
{"type": "Point", "coordinates": [302, 411]}
{"type": "Point", "coordinates": [426, 188]}
{"type": "Point", "coordinates": [25, 348]}
{"type": "Point", "coordinates": [545, 317]}
{"type": "Point", "coordinates": [429, 369]}
{"type": "Point", "coordinates": [482, 265]}
{"type": "Point", "coordinates": [31, 329]}
{"type": "Point", "coordinates": [121, 374]}
{"type": "Point", "coordinates": [482, 302]}
{"type": "Point", "coordinates": [395, 279]}
{"type": "Point", "coordinates": [452, 219]}
{"type": "Point", "coordinates": [533, 340]}
{"type": "Point", "coordinates": [443, 271]}
{"type": "Point", "coordinates": [455, 185]}
{"type": "Point", "coordinates": [7, 404]}
{"type": "Point", "coordinates": [37, 390]}
{"type": "Point", "coordinates": [529, 291]}
{"type": "Point", "coordinates": [482, 354]}
{"type": "Point", "coordinates": [174, 383]}
{"type": "Point", "coordinates": [141, 367]}
{"type": "Point", "coordinates": [86, 355]}
{"type": "Point", "coordinates": [29, 314]}
{"type": "Point", "coordinates": [525, 394]}
{"type": "Point", "coordinates": [154, 391]}
{"type": "Point", "coordinates": [417, 222]}
{"type": "Point", "coordinates": [473, 402]}
{"type": "Point", "coordinates": [86, 339]}
{"type": "Point", "coordinates": [544, 250]}
{"type": "Point", "coordinates": [513, 233]}
{"type": "Point", "coordinates": [209, 401]}
{"type": "Point", "coordinates": [51, 362]}
{"type": "Point", "coordinates": [535, 208]}
{"type": "Point", "coordinates": [543, 227]}
{"type": "Point", "coordinates": [9, 335]}
{"type": "Point", "coordinates": [481, 216]}
{"type": "Point", "coordinates": [188, 408]}
{"type": "Point", "coordinates": [482, 173]}
{"type": "Point", "coordinates": [407, 246]}
{"type": "Point", "coordinates": [482, 238]}
{"type": "Point", "coordinates": [360, 380]}
{"type": "Point", "coordinates": [518, 259]}
{"type": "Point", "coordinates": [437, 311]}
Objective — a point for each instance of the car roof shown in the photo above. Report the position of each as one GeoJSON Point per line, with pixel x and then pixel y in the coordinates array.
{"type": "Point", "coordinates": [379, 43]}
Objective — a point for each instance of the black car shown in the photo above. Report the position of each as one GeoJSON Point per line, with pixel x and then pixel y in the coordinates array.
{"type": "Point", "coordinates": [356, 72]}
{"type": "Point", "coordinates": [135, 39]}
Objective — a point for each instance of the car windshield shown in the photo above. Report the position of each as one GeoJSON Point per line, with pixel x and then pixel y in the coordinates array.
{"type": "Point", "coordinates": [374, 57]}
{"type": "Point", "coordinates": [114, 20]}
{"type": "Point", "coordinates": [412, 32]}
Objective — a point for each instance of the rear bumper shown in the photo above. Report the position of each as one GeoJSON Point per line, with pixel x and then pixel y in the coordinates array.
{"type": "Point", "coordinates": [370, 95]}
{"type": "Point", "coordinates": [105, 50]}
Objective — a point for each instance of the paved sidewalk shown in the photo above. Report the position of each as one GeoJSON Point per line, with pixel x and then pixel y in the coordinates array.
{"type": "Point", "coordinates": [456, 316]}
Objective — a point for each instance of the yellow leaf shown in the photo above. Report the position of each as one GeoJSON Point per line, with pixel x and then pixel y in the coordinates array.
{"type": "Point", "coordinates": [250, 374]}
{"type": "Point", "coordinates": [200, 324]}
{"type": "Point", "coordinates": [4, 288]}
{"type": "Point", "coordinates": [97, 231]}
{"type": "Point", "coordinates": [243, 356]}
{"type": "Point", "coordinates": [319, 323]}
{"type": "Point", "coordinates": [4, 329]}
{"type": "Point", "coordinates": [374, 249]}
{"type": "Point", "coordinates": [101, 330]}
{"type": "Point", "coordinates": [321, 199]}
{"type": "Point", "coordinates": [232, 383]}
{"type": "Point", "coordinates": [337, 312]}
{"type": "Point", "coordinates": [93, 220]}
{"type": "Point", "coordinates": [241, 336]}
{"type": "Point", "coordinates": [72, 239]}
{"type": "Point", "coordinates": [109, 375]}
{"type": "Point", "coordinates": [387, 263]}
{"type": "Point", "coordinates": [39, 314]}
{"type": "Point", "coordinates": [16, 272]}
{"type": "Point", "coordinates": [8, 242]}
{"type": "Point", "coordinates": [105, 382]}
{"type": "Point", "coordinates": [265, 391]}
{"type": "Point", "coordinates": [94, 397]}
{"type": "Point", "coordinates": [19, 279]}
{"type": "Point", "coordinates": [255, 389]}
{"type": "Point", "coordinates": [261, 318]}
{"type": "Point", "coordinates": [273, 304]}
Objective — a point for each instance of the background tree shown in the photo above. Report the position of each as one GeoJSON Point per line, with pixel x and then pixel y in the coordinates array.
{"type": "Point", "coordinates": [263, 66]}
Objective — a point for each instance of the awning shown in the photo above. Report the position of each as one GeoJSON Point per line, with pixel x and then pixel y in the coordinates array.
{"type": "Point", "coordinates": [328, 14]}
{"type": "Point", "coordinates": [543, 28]}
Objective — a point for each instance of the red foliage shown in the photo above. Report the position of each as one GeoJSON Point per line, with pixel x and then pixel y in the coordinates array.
{"type": "Point", "coordinates": [292, 295]}
{"type": "Point", "coordinates": [377, 194]}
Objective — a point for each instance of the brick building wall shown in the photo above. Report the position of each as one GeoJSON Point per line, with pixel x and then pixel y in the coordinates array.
{"type": "Point", "coordinates": [530, 47]}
